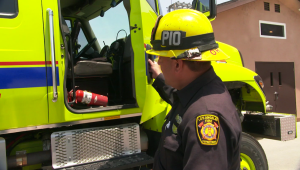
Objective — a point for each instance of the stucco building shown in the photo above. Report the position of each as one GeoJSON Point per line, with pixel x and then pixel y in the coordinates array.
{"type": "Point", "coordinates": [267, 34]}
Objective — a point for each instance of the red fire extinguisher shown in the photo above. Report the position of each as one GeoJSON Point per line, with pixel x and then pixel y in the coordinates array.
{"type": "Point", "coordinates": [90, 98]}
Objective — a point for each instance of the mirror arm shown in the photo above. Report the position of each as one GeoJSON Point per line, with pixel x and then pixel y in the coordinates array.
{"type": "Point", "coordinates": [213, 10]}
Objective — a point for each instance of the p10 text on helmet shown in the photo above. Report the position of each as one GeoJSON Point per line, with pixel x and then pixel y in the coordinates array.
{"type": "Point", "coordinates": [173, 37]}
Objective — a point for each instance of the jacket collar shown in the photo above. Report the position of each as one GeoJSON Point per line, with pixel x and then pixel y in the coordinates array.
{"type": "Point", "coordinates": [188, 92]}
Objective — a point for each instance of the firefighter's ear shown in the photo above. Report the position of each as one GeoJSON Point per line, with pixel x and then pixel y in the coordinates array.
{"type": "Point", "coordinates": [178, 66]}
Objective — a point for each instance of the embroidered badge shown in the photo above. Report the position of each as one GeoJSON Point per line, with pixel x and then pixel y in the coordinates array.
{"type": "Point", "coordinates": [208, 129]}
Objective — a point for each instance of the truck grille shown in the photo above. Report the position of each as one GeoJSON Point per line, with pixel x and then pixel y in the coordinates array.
{"type": "Point", "coordinates": [75, 147]}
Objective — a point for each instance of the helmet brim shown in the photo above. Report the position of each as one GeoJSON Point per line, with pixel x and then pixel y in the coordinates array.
{"type": "Point", "coordinates": [210, 55]}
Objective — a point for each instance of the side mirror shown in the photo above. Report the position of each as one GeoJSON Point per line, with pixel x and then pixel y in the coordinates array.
{"type": "Point", "coordinates": [207, 7]}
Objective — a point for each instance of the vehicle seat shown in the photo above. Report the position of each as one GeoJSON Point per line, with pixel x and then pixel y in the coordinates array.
{"type": "Point", "coordinates": [104, 51]}
{"type": "Point", "coordinates": [91, 68]}
{"type": "Point", "coordinates": [95, 67]}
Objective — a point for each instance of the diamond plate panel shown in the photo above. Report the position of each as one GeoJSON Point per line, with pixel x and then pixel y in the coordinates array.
{"type": "Point", "coordinates": [116, 164]}
{"type": "Point", "coordinates": [287, 128]}
{"type": "Point", "coordinates": [3, 161]}
{"type": "Point", "coordinates": [76, 147]}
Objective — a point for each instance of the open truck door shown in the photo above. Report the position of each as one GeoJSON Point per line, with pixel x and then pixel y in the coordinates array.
{"type": "Point", "coordinates": [141, 24]}
{"type": "Point", "coordinates": [207, 7]}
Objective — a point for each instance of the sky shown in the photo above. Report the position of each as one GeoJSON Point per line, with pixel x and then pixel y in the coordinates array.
{"type": "Point", "coordinates": [166, 3]}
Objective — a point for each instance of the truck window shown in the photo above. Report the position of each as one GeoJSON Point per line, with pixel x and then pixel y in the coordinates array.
{"type": "Point", "coordinates": [8, 8]}
{"type": "Point", "coordinates": [152, 3]}
{"type": "Point", "coordinates": [68, 22]}
{"type": "Point", "coordinates": [82, 41]}
{"type": "Point", "coordinates": [106, 28]}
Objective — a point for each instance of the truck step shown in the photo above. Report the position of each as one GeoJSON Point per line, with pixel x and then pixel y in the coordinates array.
{"type": "Point", "coordinates": [81, 146]}
{"type": "Point", "coordinates": [125, 162]}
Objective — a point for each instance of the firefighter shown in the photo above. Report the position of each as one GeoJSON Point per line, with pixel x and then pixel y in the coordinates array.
{"type": "Point", "coordinates": [203, 130]}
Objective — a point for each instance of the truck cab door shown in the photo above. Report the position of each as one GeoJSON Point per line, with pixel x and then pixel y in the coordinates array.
{"type": "Point", "coordinates": [23, 69]}
{"type": "Point", "coordinates": [143, 15]}
{"type": "Point", "coordinates": [54, 54]}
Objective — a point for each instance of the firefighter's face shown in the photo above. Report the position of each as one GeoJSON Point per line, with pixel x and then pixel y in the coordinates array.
{"type": "Point", "coordinates": [168, 67]}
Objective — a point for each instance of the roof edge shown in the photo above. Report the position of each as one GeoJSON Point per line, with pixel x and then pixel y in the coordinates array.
{"type": "Point", "coordinates": [231, 4]}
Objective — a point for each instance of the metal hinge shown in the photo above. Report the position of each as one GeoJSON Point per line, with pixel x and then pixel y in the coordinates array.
{"type": "Point", "coordinates": [134, 27]}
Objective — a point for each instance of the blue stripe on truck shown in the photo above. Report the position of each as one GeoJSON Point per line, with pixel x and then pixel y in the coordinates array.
{"type": "Point", "coordinates": [25, 77]}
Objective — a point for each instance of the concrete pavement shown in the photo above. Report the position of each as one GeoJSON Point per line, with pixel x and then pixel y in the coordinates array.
{"type": "Point", "coordinates": [282, 155]}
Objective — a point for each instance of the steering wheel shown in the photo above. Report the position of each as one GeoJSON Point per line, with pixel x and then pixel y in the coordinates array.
{"type": "Point", "coordinates": [85, 48]}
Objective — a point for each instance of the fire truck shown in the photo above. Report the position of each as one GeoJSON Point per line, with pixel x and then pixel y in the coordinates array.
{"type": "Point", "coordinates": [76, 91]}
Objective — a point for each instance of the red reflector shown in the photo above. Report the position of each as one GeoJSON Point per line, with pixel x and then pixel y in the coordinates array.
{"type": "Point", "coordinates": [221, 61]}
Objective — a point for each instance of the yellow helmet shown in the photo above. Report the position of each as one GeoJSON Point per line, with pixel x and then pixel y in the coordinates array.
{"type": "Point", "coordinates": [185, 34]}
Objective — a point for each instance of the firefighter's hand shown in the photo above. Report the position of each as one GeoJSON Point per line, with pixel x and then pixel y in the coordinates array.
{"type": "Point", "coordinates": [154, 68]}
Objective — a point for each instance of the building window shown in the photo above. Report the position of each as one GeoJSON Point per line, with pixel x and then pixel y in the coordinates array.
{"type": "Point", "coordinates": [8, 8]}
{"type": "Point", "coordinates": [267, 6]}
{"type": "Point", "coordinates": [277, 8]}
{"type": "Point", "coordinates": [272, 30]}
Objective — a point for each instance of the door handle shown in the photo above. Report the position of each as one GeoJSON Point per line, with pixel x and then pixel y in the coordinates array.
{"type": "Point", "coordinates": [276, 95]}
{"type": "Point", "coordinates": [53, 60]}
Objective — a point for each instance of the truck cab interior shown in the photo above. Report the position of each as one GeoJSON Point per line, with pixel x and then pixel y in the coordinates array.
{"type": "Point", "coordinates": [100, 55]}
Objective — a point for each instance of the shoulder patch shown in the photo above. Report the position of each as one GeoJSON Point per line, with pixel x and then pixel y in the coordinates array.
{"type": "Point", "coordinates": [208, 129]}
